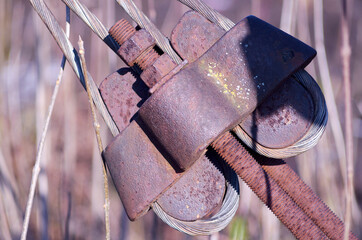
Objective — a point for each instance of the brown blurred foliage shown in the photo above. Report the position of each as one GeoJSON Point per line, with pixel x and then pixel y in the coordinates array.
{"type": "Point", "coordinates": [69, 198]}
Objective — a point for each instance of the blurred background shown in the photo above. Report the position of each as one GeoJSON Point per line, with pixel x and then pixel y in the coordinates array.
{"type": "Point", "coordinates": [69, 199]}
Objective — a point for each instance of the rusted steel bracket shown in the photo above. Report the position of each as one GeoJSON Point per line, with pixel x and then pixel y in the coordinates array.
{"type": "Point", "coordinates": [229, 76]}
{"type": "Point", "coordinates": [282, 119]}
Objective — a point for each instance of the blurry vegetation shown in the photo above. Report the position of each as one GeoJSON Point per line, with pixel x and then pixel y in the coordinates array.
{"type": "Point", "coordinates": [69, 199]}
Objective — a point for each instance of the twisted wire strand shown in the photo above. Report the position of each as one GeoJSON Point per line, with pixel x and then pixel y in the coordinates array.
{"type": "Point", "coordinates": [92, 21]}
{"type": "Point", "coordinates": [214, 16]}
{"type": "Point", "coordinates": [72, 57]}
{"type": "Point", "coordinates": [143, 21]}
{"type": "Point", "coordinates": [88, 18]}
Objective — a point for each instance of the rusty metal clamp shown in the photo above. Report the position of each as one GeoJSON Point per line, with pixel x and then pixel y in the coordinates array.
{"type": "Point", "coordinates": [209, 96]}
{"type": "Point", "coordinates": [160, 153]}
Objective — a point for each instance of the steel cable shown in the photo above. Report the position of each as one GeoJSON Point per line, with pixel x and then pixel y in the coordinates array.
{"type": "Point", "coordinates": [72, 57]}
{"type": "Point", "coordinates": [214, 16]}
{"type": "Point", "coordinates": [142, 20]}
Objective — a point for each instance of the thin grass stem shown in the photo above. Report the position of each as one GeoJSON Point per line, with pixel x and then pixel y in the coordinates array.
{"type": "Point", "coordinates": [98, 136]}
{"type": "Point", "coordinates": [346, 64]}
{"type": "Point", "coordinates": [36, 168]}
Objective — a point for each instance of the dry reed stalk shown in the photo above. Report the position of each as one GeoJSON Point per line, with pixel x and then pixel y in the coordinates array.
{"type": "Point", "coordinates": [4, 223]}
{"type": "Point", "coordinates": [334, 119]}
{"type": "Point", "coordinates": [303, 29]}
{"type": "Point", "coordinates": [41, 99]}
{"type": "Point", "coordinates": [346, 62]}
{"type": "Point", "coordinates": [14, 130]}
{"type": "Point", "coordinates": [110, 19]}
{"type": "Point", "coordinates": [10, 219]}
{"type": "Point", "coordinates": [306, 162]}
{"type": "Point", "coordinates": [152, 10]}
{"type": "Point", "coordinates": [98, 136]}
{"type": "Point", "coordinates": [10, 194]}
{"type": "Point", "coordinates": [288, 19]}
{"type": "Point", "coordinates": [256, 8]}
{"type": "Point", "coordinates": [36, 168]}
{"type": "Point", "coordinates": [96, 48]}
{"type": "Point", "coordinates": [10, 137]}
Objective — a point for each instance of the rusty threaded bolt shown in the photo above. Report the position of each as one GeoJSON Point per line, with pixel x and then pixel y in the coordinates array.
{"type": "Point", "coordinates": [304, 197]}
{"type": "Point", "coordinates": [147, 58]}
{"type": "Point", "coordinates": [122, 32]}
{"type": "Point", "coordinates": [266, 188]}
{"type": "Point", "coordinates": [279, 187]}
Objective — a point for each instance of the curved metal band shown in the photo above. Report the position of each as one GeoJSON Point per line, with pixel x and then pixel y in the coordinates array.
{"type": "Point", "coordinates": [214, 224]}
{"type": "Point", "coordinates": [310, 139]}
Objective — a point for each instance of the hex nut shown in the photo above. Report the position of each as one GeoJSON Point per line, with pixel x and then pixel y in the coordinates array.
{"type": "Point", "coordinates": [162, 66]}
{"type": "Point", "coordinates": [132, 48]}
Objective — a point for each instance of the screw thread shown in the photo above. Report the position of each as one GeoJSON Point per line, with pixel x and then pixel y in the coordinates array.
{"type": "Point", "coordinates": [265, 187]}
{"type": "Point", "coordinates": [121, 31]}
{"type": "Point", "coordinates": [304, 197]}
{"type": "Point", "coordinates": [147, 58]}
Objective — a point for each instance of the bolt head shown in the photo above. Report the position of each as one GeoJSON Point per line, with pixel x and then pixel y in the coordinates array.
{"type": "Point", "coordinates": [162, 66]}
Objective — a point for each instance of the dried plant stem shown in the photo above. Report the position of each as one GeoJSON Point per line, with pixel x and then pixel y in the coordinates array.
{"type": "Point", "coordinates": [346, 62]}
{"type": "Point", "coordinates": [152, 10]}
{"type": "Point", "coordinates": [98, 135]}
{"type": "Point", "coordinates": [327, 85]}
{"type": "Point", "coordinates": [288, 19]}
{"type": "Point", "coordinates": [36, 168]}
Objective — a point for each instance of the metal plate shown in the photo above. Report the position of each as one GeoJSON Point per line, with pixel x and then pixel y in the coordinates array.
{"type": "Point", "coordinates": [222, 87]}
{"type": "Point", "coordinates": [283, 118]}
{"type": "Point", "coordinates": [123, 94]}
{"type": "Point", "coordinates": [139, 171]}
{"type": "Point", "coordinates": [197, 194]}
{"type": "Point", "coordinates": [291, 106]}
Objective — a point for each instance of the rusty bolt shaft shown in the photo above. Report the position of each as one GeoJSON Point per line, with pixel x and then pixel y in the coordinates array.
{"type": "Point", "coordinates": [304, 197]}
{"type": "Point", "coordinates": [281, 189]}
{"type": "Point", "coordinates": [121, 31]}
{"type": "Point", "coordinates": [266, 188]}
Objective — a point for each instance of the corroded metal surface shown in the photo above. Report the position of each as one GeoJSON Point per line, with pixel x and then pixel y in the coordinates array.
{"type": "Point", "coordinates": [283, 118]}
{"type": "Point", "coordinates": [139, 171]}
{"type": "Point", "coordinates": [121, 31]}
{"type": "Point", "coordinates": [194, 35]}
{"type": "Point", "coordinates": [154, 73]}
{"type": "Point", "coordinates": [222, 87]}
{"type": "Point", "coordinates": [293, 202]}
{"type": "Point", "coordinates": [266, 188]}
{"type": "Point", "coordinates": [133, 47]}
{"type": "Point", "coordinates": [123, 93]}
{"type": "Point", "coordinates": [141, 174]}
{"type": "Point", "coordinates": [304, 197]}
{"type": "Point", "coordinates": [197, 194]}
{"type": "Point", "coordinates": [186, 115]}
{"type": "Point", "coordinates": [168, 76]}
